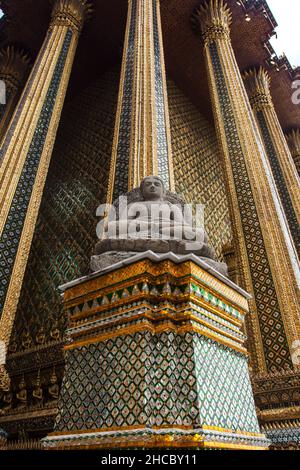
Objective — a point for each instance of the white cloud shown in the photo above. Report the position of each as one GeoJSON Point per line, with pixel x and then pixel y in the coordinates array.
{"type": "Point", "coordinates": [287, 15]}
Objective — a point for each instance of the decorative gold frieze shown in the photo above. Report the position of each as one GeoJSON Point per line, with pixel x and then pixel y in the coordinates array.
{"type": "Point", "coordinates": [71, 13]}
{"type": "Point", "coordinates": [280, 414]}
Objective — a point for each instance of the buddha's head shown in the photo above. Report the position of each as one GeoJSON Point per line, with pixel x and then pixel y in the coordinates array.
{"type": "Point", "coordinates": [152, 188]}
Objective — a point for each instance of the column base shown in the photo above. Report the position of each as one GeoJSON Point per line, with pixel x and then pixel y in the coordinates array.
{"type": "Point", "coordinates": [156, 359]}
{"type": "Point", "coordinates": [146, 438]}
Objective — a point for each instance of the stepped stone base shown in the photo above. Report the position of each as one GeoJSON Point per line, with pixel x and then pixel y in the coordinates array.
{"type": "Point", "coordinates": [156, 359]}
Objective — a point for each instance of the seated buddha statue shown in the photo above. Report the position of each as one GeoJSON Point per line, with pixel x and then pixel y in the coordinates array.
{"type": "Point", "coordinates": [7, 401]}
{"type": "Point", "coordinates": [53, 389]}
{"type": "Point", "coordinates": [37, 392]}
{"type": "Point", "coordinates": [22, 394]}
{"type": "Point", "coordinates": [153, 219]}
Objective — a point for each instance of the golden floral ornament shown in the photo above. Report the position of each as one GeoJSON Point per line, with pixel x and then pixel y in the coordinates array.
{"type": "Point", "coordinates": [293, 140]}
{"type": "Point", "coordinates": [71, 13]}
{"type": "Point", "coordinates": [14, 66]}
{"type": "Point", "coordinates": [257, 82]}
{"type": "Point", "coordinates": [213, 19]}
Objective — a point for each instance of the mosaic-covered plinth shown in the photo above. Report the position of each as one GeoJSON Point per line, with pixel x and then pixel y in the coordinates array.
{"type": "Point", "coordinates": [156, 359]}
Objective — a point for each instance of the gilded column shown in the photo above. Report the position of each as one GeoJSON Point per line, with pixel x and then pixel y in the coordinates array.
{"type": "Point", "coordinates": [142, 143]}
{"type": "Point", "coordinates": [284, 172]}
{"type": "Point", "coordinates": [293, 140]}
{"type": "Point", "coordinates": [266, 254]}
{"type": "Point", "coordinates": [14, 68]}
{"type": "Point", "coordinates": [26, 151]}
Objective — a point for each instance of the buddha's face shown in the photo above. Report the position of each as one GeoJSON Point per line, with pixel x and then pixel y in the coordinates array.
{"type": "Point", "coordinates": [152, 188]}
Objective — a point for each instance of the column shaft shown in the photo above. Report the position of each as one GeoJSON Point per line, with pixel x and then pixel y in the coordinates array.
{"type": "Point", "coordinates": [27, 148]}
{"type": "Point", "coordinates": [267, 257]}
{"type": "Point", "coordinates": [279, 155]}
{"type": "Point", "coordinates": [142, 143]}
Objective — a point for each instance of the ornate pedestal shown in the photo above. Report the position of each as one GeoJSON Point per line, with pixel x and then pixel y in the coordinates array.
{"type": "Point", "coordinates": [156, 359]}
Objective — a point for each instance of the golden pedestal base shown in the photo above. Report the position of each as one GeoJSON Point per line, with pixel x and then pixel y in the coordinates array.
{"type": "Point", "coordinates": [156, 359]}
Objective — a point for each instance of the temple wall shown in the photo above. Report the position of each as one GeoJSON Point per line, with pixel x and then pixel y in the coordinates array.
{"type": "Point", "coordinates": [197, 166]}
{"type": "Point", "coordinates": [65, 233]}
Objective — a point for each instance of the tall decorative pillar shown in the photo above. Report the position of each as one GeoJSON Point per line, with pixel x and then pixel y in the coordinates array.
{"type": "Point", "coordinates": [266, 254]}
{"type": "Point", "coordinates": [284, 171]}
{"type": "Point", "coordinates": [142, 142]}
{"type": "Point", "coordinates": [293, 140]}
{"type": "Point", "coordinates": [14, 68]}
{"type": "Point", "coordinates": [26, 151]}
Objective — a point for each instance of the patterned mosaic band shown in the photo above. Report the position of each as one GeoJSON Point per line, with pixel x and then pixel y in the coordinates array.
{"type": "Point", "coordinates": [258, 219]}
{"type": "Point", "coordinates": [26, 153]}
{"type": "Point", "coordinates": [142, 131]}
{"type": "Point", "coordinates": [168, 437]}
{"type": "Point", "coordinates": [157, 359]}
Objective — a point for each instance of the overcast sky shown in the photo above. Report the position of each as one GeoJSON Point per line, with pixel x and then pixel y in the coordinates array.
{"type": "Point", "coordinates": [287, 15]}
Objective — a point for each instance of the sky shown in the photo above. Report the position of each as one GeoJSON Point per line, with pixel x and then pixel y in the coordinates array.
{"type": "Point", "coordinates": [287, 15]}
